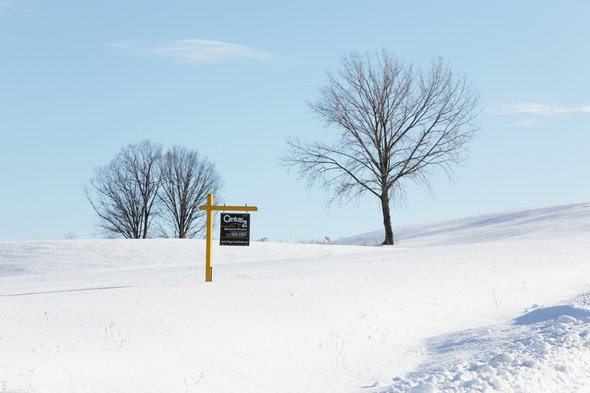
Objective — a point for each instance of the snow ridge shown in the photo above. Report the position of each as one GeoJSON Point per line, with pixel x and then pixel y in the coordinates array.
{"type": "Point", "coordinates": [135, 315]}
{"type": "Point", "coordinates": [545, 350]}
{"type": "Point", "coordinates": [547, 222]}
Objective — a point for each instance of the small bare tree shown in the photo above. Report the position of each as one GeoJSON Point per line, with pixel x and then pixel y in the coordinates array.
{"type": "Point", "coordinates": [124, 193]}
{"type": "Point", "coordinates": [395, 121]}
{"type": "Point", "coordinates": [187, 180]}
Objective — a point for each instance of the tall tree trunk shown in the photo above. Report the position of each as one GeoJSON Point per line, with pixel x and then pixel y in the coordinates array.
{"type": "Point", "coordinates": [386, 219]}
{"type": "Point", "coordinates": [145, 225]}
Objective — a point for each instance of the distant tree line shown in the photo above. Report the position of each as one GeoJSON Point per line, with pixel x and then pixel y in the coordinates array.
{"type": "Point", "coordinates": [395, 123]}
{"type": "Point", "coordinates": [147, 192]}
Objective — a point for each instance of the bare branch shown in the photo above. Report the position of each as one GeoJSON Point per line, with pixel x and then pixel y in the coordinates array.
{"type": "Point", "coordinates": [395, 122]}
{"type": "Point", "coordinates": [124, 193]}
{"type": "Point", "coordinates": [187, 180]}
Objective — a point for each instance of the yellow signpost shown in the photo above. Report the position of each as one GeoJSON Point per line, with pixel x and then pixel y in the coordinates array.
{"type": "Point", "coordinates": [210, 208]}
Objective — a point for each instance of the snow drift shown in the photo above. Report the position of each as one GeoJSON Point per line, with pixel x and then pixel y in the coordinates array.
{"type": "Point", "coordinates": [459, 312]}
{"type": "Point", "coordinates": [549, 222]}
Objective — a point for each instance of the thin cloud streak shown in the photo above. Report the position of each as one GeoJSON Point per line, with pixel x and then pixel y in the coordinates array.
{"type": "Point", "coordinates": [540, 108]}
{"type": "Point", "coordinates": [194, 51]}
{"type": "Point", "coordinates": [526, 123]}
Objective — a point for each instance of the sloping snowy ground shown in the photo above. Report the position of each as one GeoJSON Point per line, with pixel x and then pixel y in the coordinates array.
{"type": "Point", "coordinates": [548, 222]}
{"type": "Point", "coordinates": [545, 350]}
{"type": "Point", "coordinates": [136, 316]}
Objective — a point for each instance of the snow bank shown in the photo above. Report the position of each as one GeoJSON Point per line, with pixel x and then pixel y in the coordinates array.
{"type": "Point", "coordinates": [545, 350]}
{"type": "Point", "coordinates": [545, 223]}
{"type": "Point", "coordinates": [135, 316]}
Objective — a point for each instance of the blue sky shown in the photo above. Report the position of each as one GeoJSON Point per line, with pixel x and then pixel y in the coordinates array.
{"type": "Point", "coordinates": [79, 80]}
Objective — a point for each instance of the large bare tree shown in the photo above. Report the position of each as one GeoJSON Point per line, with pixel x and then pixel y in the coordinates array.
{"type": "Point", "coordinates": [124, 193]}
{"type": "Point", "coordinates": [187, 180]}
{"type": "Point", "coordinates": [395, 121]}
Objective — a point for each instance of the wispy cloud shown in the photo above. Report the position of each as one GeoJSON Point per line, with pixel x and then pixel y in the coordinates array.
{"type": "Point", "coordinates": [540, 108]}
{"type": "Point", "coordinates": [194, 50]}
{"type": "Point", "coordinates": [526, 123]}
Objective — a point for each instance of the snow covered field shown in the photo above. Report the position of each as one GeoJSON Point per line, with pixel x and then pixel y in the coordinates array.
{"type": "Point", "coordinates": [494, 303]}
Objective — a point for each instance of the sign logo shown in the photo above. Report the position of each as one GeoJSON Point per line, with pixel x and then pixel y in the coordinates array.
{"type": "Point", "coordinates": [234, 229]}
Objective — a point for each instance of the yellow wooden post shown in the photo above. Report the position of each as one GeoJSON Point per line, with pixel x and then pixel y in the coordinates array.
{"type": "Point", "coordinates": [208, 267]}
{"type": "Point", "coordinates": [210, 208]}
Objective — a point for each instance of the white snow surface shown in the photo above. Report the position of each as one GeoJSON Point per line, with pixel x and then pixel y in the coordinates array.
{"type": "Point", "coordinates": [495, 304]}
{"type": "Point", "coordinates": [554, 221]}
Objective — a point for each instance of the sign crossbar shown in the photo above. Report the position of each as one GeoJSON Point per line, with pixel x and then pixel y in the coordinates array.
{"type": "Point", "coordinates": [229, 208]}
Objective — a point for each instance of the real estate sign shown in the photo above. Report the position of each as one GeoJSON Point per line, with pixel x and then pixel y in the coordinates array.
{"type": "Point", "coordinates": [235, 229]}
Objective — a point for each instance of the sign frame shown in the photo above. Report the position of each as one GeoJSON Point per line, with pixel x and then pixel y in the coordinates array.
{"type": "Point", "coordinates": [210, 208]}
{"type": "Point", "coordinates": [234, 229]}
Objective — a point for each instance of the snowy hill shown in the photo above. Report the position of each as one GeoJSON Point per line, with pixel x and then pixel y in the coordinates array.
{"type": "Point", "coordinates": [549, 222]}
{"type": "Point", "coordinates": [490, 304]}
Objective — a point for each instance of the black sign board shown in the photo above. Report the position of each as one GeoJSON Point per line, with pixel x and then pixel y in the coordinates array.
{"type": "Point", "coordinates": [235, 229]}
